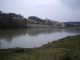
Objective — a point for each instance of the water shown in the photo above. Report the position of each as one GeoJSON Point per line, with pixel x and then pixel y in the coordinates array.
{"type": "Point", "coordinates": [30, 38]}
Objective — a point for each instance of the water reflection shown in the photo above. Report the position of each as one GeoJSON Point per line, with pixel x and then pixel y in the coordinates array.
{"type": "Point", "coordinates": [0, 45]}
{"type": "Point", "coordinates": [71, 31]}
{"type": "Point", "coordinates": [9, 34]}
{"type": "Point", "coordinates": [33, 37]}
{"type": "Point", "coordinates": [36, 32]}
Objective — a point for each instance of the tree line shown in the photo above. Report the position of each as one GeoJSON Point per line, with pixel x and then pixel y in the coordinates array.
{"type": "Point", "coordinates": [8, 15]}
{"type": "Point", "coordinates": [45, 21]}
{"type": "Point", "coordinates": [72, 24]}
{"type": "Point", "coordinates": [11, 20]}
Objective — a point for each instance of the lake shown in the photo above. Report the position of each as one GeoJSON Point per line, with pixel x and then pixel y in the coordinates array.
{"type": "Point", "coordinates": [33, 37]}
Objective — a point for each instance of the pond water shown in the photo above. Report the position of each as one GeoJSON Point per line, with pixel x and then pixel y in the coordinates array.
{"type": "Point", "coordinates": [33, 37]}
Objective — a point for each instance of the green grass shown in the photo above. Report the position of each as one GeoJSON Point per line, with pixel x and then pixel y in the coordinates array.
{"type": "Point", "coordinates": [63, 49]}
{"type": "Point", "coordinates": [38, 26]}
{"type": "Point", "coordinates": [47, 26]}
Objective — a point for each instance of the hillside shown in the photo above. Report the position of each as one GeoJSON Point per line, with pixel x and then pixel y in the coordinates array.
{"type": "Point", "coordinates": [39, 26]}
{"type": "Point", "coordinates": [49, 22]}
{"type": "Point", "coordinates": [13, 20]}
{"type": "Point", "coordinates": [72, 24]}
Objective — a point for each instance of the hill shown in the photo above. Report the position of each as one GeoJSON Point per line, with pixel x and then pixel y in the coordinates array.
{"type": "Point", "coordinates": [13, 20]}
{"type": "Point", "coordinates": [72, 24]}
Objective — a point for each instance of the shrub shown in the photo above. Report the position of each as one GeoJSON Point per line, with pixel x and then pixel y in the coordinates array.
{"type": "Point", "coordinates": [17, 50]}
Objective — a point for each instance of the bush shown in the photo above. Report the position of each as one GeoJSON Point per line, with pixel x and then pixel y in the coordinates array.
{"type": "Point", "coordinates": [17, 50]}
{"type": "Point", "coordinates": [65, 56]}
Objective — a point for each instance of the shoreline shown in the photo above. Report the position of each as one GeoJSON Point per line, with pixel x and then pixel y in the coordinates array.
{"type": "Point", "coordinates": [67, 48]}
{"type": "Point", "coordinates": [55, 42]}
{"type": "Point", "coordinates": [45, 45]}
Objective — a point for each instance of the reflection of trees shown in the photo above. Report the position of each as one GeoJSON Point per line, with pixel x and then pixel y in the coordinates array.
{"type": "Point", "coordinates": [35, 32]}
{"type": "Point", "coordinates": [9, 34]}
{"type": "Point", "coordinates": [71, 31]}
{"type": "Point", "coordinates": [0, 45]}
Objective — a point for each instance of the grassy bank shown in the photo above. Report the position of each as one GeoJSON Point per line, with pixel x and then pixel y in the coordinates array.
{"type": "Point", "coordinates": [64, 49]}
{"type": "Point", "coordinates": [38, 26]}
{"type": "Point", "coordinates": [47, 26]}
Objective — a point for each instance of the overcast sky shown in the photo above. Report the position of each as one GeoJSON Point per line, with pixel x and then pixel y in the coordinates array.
{"type": "Point", "coordinates": [59, 10]}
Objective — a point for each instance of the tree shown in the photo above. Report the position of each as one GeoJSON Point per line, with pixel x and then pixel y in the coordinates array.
{"type": "Point", "coordinates": [35, 18]}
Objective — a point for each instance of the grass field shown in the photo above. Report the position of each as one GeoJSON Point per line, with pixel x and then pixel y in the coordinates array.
{"type": "Point", "coordinates": [47, 26]}
{"type": "Point", "coordinates": [38, 26]}
{"type": "Point", "coordinates": [64, 49]}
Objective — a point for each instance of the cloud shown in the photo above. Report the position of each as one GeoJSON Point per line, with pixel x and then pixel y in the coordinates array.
{"type": "Point", "coordinates": [52, 9]}
{"type": "Point", "coordinates": [74, 4]}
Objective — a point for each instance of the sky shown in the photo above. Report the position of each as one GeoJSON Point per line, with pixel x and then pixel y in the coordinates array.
{"type": "Point", "coordinates": [58, 10]}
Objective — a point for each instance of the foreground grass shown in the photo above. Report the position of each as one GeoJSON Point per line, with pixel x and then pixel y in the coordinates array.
{"type": "Point", "coordinates": [64, 49]}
